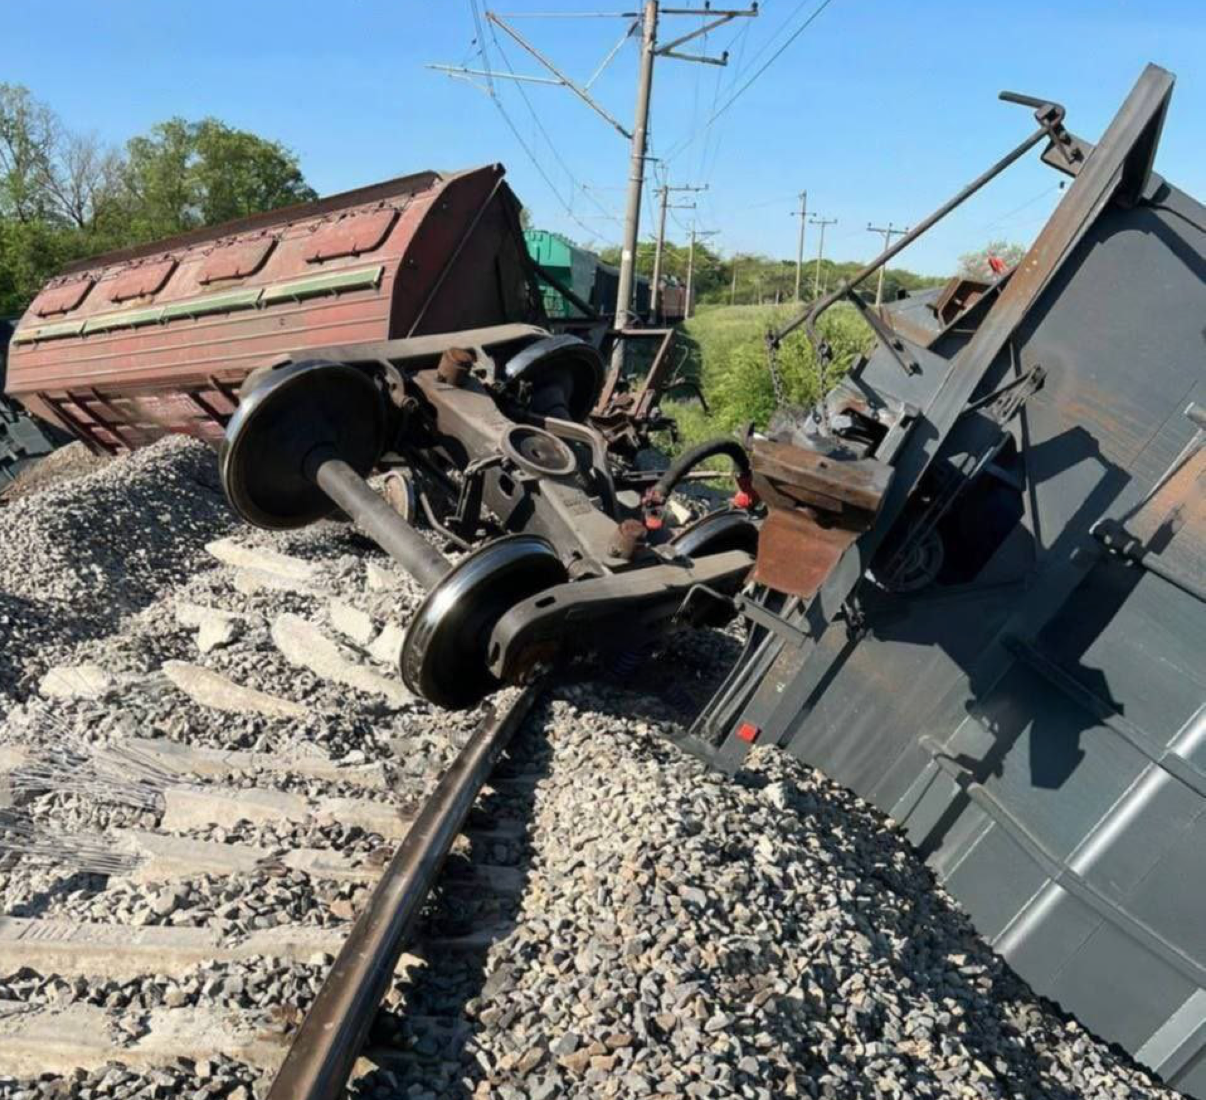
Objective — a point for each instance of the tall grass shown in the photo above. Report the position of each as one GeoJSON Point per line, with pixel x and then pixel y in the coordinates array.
{"type": "Point", "coordinates": [726, 354]}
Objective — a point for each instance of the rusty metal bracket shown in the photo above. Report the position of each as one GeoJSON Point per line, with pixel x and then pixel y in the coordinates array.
{"type": "Point", "coordinates": [819, 505]}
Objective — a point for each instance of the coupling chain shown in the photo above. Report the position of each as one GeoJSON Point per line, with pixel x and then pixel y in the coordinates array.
{"type": "Point", "coordinates": [772, 356]}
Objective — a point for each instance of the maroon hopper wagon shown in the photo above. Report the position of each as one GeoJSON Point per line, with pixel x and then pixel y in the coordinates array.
{"type": "Point", "coordinates": [125, 347]}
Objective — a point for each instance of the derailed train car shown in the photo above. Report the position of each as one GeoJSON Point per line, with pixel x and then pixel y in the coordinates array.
{"type": "Point", "coordinates": [23, 440]}
{"type": "Point", "coordinates": [392, 329]}
{"type": "Point", "coordinates": [977, 591]}
{"type": "Point", "coordinates": [980, 594]}
{"type": "Point", "coordinates": [120, 349]}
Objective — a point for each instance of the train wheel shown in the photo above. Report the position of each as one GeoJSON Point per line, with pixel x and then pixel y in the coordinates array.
{"type": "Point", "coordinates": [444, 656]}
{"type": "Point", "coordinates": [290, 414]}
{"type": "Point", "coordinates": [564, 374]}
{"type": "Point", "coordinates": [717, 532]}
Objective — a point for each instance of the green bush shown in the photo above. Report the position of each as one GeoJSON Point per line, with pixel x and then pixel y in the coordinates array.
{"type": "Point", "coordinates": [727, 356]}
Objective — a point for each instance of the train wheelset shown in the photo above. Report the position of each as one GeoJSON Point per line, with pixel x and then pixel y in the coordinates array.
{"type": "Point", "coordinates": [576, 562]}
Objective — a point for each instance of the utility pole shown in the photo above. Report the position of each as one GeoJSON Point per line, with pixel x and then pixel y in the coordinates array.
{"type": "Point", "coordinates": [647, 24]}
{"type": "Point", "coordinates": [733, 288]}
{"type": "Point", "coordinates": [888, 233]}
{"type": "Point", "coordinates": [822, 222]}
{"type": "Point", "coordinates": [695, 233]}
{"type": "Point", "coordinates": [636, 178]}
{"type": "Point", "coordinates": [655, 288]}
{"type": "Point", "coordinates": [802, 214]}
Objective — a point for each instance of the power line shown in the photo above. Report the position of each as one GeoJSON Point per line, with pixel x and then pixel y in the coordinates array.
{"type": "Point", "coordinates": [1018, 209]}
{"type": "Point", "coordinates": [574, 182]}
{"type": "Point", "coordinates": [745, 87]}
{"type": "Point", "coordinates": [716, 137]}
{"type": "Point", "coordinates": [771, 60]}
{"type": "Point", "coordinates": [638, 136]}
{"type": "Point", "coordinates": [592, 235]}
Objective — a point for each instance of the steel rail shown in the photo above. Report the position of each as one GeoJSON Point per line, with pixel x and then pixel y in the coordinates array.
{"type": "Point", "coordinates": [330, 1038]}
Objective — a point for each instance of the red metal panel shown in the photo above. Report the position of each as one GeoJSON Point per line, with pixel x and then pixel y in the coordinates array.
{"type": "Point", "coordinates": [142, 280]}
{"type": "Point", "coordinates": [351, 236]}
{"type": "Point", "coordinates": [62, 298]}
{"type": "Point", "coordinates": [235, 261]}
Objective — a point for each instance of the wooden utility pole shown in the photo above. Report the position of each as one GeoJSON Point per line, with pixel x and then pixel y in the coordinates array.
{"type": "Point", "coordinates": [822, 222]}
{"type": "Point", "coordinates": [888, 233]}
{"type": "Point", "coordinates": [689, 307]}
{"type": "Point", "coordinates": [802, 214]}
{"type": "Point", "coordinates": [655, 288]}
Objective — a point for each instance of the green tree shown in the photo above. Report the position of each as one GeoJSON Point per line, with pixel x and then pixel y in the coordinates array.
{"type": "Point", "coordinates": [27, 136]}
{"type": "Point", "coordinates": [30, 252]}
{"type": "Point", "coordinates": [53, 183]}
{"type": "Point", "coordinates": [188, 174]}
{"type": "Point", "coordinates": [739, 386]}
{"type": "Point", "coordinates": [65, 195]}
{"type": "Point", "coordinates": [978, 265]}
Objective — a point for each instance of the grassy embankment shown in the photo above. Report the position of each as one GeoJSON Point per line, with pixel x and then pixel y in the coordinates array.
{"type": "Point", "coordinates": [726, 354]}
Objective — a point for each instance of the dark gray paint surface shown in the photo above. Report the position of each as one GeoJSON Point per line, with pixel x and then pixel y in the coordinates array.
{"type": "Point", "coordinates": [1039, 728]}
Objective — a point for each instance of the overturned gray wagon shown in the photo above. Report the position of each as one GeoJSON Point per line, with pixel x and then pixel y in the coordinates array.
{"type": "Point", "coordinates": [981, 598]}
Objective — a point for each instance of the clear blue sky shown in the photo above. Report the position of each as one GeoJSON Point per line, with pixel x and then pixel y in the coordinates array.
{"type": "Point", "coordinates": [880, 110]}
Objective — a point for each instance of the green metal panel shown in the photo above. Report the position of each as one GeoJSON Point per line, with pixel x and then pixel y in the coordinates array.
{"type": "Point", "coordinates": [49, 332]}
{"type": "Point", "coordinates": [225, 302]}
{"type": "Point", "coordinates": [562, 258]}
{"type": "Point", "coordinates": [130, 318]}
{"type": "Point", "coordinates": [332, 283]}
{"type": "Point", "coordinates": [549, 249]}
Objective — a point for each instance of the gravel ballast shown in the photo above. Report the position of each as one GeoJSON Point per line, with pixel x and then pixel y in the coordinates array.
{"type": "Point", "coordinates": [675, 932]}
{"type": "Point", "coordinates": [683, 934]}
{"type": "Point", "coordinates": [79, 555]}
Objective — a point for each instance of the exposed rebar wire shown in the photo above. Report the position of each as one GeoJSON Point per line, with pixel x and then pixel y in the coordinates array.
{"type": "Point", "coordinates": [21, 837]}
{"type": "Point", "coordinates": [110, 774]}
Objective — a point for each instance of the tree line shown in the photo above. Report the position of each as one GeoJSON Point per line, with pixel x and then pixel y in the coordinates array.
{"type": "Point", "coordinates": [749, 278]}
{"type": "Point", "coordinates": [65, 194]}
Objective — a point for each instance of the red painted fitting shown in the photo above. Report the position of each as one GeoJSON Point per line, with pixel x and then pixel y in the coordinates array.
{"type": "Point", "coordinates": [746, 497]}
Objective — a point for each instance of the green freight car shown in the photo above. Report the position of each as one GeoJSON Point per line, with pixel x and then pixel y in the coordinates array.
{"type": "Point", "coordinates": [583, 272]}
{"type": "Point", "coordinates": [571, 265]}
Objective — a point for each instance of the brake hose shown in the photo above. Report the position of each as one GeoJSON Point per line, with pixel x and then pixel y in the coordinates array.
{"type": "Point", "coordinates": [655, 498]}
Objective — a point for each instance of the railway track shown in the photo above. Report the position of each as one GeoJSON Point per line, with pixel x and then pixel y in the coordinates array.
{"type": "Point", "coordinates": [333, 1033]}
